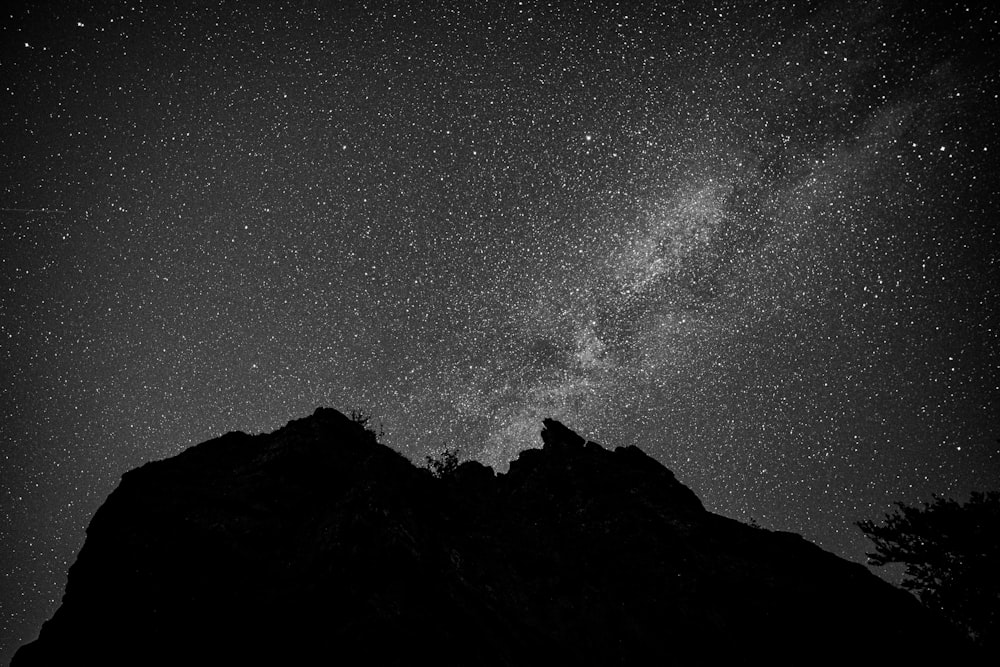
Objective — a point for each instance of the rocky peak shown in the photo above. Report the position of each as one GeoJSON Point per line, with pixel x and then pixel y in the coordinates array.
{"type": "Point", "coordinates": [317, 544]}
{"type": "Point", "coordinates": [556, 435]}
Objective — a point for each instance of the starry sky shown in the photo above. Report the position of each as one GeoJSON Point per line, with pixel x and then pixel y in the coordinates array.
{"type": "Point", "coordinates": [758, 239]}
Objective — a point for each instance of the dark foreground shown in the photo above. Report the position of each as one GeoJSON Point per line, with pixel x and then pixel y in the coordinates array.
{"type": "Point", "coordinates": [317, 545]}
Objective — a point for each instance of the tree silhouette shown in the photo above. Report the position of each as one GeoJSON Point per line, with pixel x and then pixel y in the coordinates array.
{"type": "Point", "coordinates": [364, 419]}
{"type": "Point", "coordinates": [444, 464]}
{"type": "Point", "coordinates": [952, 558]}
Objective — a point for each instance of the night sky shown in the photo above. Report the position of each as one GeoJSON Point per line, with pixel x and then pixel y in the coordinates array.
{"type": "Point", "coordinates": [759, 240]}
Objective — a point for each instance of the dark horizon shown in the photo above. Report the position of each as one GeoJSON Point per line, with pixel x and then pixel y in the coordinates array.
{"type": "Point", "coordinates": [317, 541]}
{"type": "Point", "coordinates": [761, 242]}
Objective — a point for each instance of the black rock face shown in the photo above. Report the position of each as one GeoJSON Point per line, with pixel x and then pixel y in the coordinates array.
{"type": "Point", "coordinates": [317, 545]}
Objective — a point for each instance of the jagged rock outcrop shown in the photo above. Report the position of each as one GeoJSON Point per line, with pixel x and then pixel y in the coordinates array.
{"type": "Point", "coordinates": [317, 545]}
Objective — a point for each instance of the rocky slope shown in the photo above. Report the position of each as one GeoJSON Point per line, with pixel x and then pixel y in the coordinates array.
{"type": "Point", "coordinates": [317, 545]}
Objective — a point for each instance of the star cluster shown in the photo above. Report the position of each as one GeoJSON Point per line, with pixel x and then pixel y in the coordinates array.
{"type": "Point", "coordinates": [759, 240]}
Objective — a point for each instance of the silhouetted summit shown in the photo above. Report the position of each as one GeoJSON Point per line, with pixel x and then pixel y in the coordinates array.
{"type": "Point", "coordinates": [317, 545]}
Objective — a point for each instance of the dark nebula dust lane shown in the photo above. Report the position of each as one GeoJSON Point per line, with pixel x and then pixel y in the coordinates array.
{"type": "Point", "coordinates": [759, 241]}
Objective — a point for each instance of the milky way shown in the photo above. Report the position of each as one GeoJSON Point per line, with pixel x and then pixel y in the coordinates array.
{"type": "Point", "coordinates": [759, 240]}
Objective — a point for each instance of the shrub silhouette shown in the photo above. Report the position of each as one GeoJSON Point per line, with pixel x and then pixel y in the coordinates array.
{"type": "Point", "coordinates": [952, 558]}
{"type": "Point", "coordinates": [364, 420]}
{"type": "Point", "coordinates": [444, 464]}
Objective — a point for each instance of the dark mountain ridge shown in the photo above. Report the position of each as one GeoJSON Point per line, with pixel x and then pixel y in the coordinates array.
{"type": "Point", "coordinates": [315, 544]}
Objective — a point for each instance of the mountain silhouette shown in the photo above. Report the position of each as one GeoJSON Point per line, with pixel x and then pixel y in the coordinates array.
{"type": "Point", "coordinates": [317, 545]}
